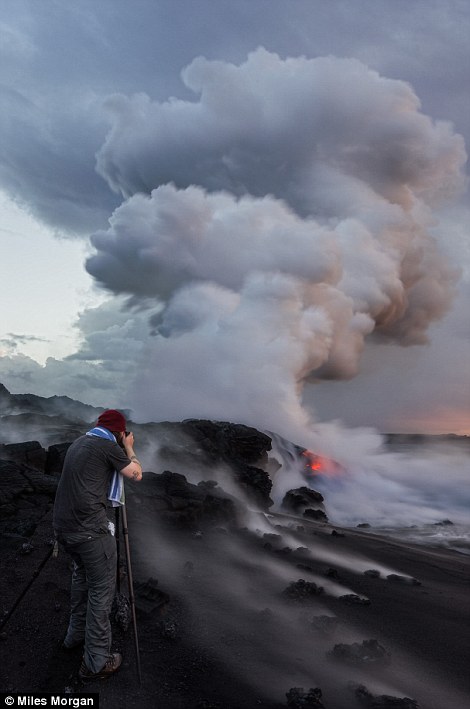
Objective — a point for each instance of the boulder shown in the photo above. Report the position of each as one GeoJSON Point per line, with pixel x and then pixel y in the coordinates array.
{"type": "Point", "coordinates": [26, 495]}
{"type": "Point", "coordinates": [255, 483]}
{"type": "Point", "coordinates": [372, 573]}
{"type": "Point", "coordinates": [305, 501]}
{"type": "Point", "coordinates": [318, 515]}
{"type": "Point", "coordinates": [238, 446]}
{"type": "Point", "coordinates": [300, 498]}
{"type": "Point", "coordinates": [228, 441]}
{"type": "Point", "coordinates": [324, 624]}
{"type": "Point", "coordinates": [29, 452]}
{"type": "Point", "coordinates": [171, 499]}
{"type": "Point", "coordinates": [382, 701]}
{"type": "Point", "coordinates": [369, 652]}
{"type": "Point", "coordinates": [302, 591]}
{"type": "Point", "coordinates": [297, 698]}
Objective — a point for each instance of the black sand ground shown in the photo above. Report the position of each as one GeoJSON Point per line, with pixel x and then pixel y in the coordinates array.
{"type": "Point", "coordinates": [190, 662]}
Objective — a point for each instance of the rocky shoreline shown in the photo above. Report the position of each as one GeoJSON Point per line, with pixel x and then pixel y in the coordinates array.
{"type": "Point", "coordinates": [238, 606]}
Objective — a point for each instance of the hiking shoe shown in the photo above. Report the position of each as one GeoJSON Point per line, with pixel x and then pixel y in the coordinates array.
{"type": "Point", "coordinates": [111, 665]}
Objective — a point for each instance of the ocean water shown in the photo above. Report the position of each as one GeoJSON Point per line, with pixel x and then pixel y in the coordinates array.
{"type": "Point", "coordinates": [410, 488]}
{"type": "Point", "coordinates": [440, 535]}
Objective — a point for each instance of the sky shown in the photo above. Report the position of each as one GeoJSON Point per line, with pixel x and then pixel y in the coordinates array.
{"type": "Point", "coordinates": [253, 211]}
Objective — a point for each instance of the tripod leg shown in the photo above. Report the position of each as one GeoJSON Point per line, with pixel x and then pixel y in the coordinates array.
{"type": "Point", "coordinates": [117, 519]}
{"type": "Point", "coordinates": [125, 532]}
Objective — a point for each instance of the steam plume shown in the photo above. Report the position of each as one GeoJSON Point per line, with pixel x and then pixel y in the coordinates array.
{"type": "Point", "coordinates": [277, 221]}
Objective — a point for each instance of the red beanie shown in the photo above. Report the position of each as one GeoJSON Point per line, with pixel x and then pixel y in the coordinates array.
{"type": "Point", "coordinates": [112, 420]}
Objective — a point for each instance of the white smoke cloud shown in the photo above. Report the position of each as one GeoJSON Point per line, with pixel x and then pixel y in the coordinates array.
{"type": "Point", "coordinates": [275, 223]}
{"type": "Point", "coordinates": [292, 128]}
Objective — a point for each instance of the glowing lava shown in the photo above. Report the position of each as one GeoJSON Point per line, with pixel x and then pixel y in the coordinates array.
{"type": "Point", "coordinates": [320, 465]}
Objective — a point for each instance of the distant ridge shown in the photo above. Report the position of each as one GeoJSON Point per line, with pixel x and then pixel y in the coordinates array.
{"type": "Point", "coordinates": [75, 411]}
{"type": "Point", "coordinates": [12, 404]}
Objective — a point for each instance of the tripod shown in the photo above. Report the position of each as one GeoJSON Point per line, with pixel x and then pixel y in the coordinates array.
{"type": "Point", "coordinates": [125, 532]}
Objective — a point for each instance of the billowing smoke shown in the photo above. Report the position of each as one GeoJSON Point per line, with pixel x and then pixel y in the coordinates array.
{"type": "Point", "coordinates": [277, 221]}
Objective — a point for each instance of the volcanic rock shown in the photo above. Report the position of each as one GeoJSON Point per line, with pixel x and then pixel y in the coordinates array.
{"type": "Point", "coordinates": [169, 629]}
{"type": "Point", "coordinates": [297, 698]}
{"type": "Point", "coordinates": [382, 701]}
{"type": "Point", "coordinates": [255, 482]}
{"type": "Point", "coordinates": [241, 447]}
{"type": "Point", "coordinates": [370, 652]}
{"type": "Point", "coordinates": [304, 567]}
{"type": "Point", "coordinates": [270, 537]}
{"type": "Point", "coordinates": [121, 611]}
{"type": "Point", "coordinates": [52, 405]}
{"type": "Point", "coordinates": [302, 591]}
{"type": "Point", "coordinates": [29, 452]}
{"type": "Point", "coordinates": [315, 514]}
{"type": "Point", "coordinates": [325, 624]}
{"type": "Point", "coordinates": [372, 573]}
{"type": "Point", "coordinates": [170, 498]}
{"type": "Point", "coordinates": [284, 551]}
{"type": "Point", "coordinates": [332, 573]}
{"type": "Point", "coordinates": [228, 441]}
{"type": "Point", "coordinates": [300, 498]}
{"type": "Point", "coordinates": [26, 495]}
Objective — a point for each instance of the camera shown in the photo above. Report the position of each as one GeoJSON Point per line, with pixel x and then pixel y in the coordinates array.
{"type": "Point", "coordinates": [121, 440]}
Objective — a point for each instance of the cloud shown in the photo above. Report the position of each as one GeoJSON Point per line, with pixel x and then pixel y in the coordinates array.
{"type": "Point", "coordinates": [276, 223]}
{"type": "Point", "coordinates": [376, 176]}
{"type": "Point", "coordinates": [281, 127]}
{"type": "Point", "coordinates": [420, 389]}
{"type": "Point", "coordinates": [58, 64]}
{"type": "Point", "coordinates": [112, 337]}
{"type": "Point", "coordinates": [13, 340]}
{"type": "Point", "coordinates": [49, 166]}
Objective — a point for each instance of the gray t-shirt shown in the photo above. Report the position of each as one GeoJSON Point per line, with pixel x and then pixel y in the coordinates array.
{"type": "Point", "coordinates": [82, 493]}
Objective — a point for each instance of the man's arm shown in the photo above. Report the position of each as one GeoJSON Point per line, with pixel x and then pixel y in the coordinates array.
{"type": "Point", "coordinates": [134, 469]}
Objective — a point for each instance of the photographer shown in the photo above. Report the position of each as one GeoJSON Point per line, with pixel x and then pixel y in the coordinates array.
{"type": "Point", "coordinates": [91, 464]}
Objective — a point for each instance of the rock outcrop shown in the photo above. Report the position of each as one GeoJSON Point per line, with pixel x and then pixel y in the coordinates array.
{"type": "Point", "coordinates": [26, 495]}
{"type": "Point", "coordinates": [240, 447]}
{"type": "Point", "coordinates": [305, 501]}
{"type": "Point", "coordinates": [171, 499]}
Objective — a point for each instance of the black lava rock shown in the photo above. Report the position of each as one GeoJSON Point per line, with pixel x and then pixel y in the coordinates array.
{"type": "Point", "coordinates": [369, 652]}
{"type": "Point", "coordinates": [297, 698]}
{"type": "Point", "coordinates": [382, 701]}
{"type": "Point", "coordinates": [302, 591]}
{"type": "Point", "coordinates": [300, 498]}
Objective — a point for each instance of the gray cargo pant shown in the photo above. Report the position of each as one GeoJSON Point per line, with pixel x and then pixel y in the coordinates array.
{"type": "Point", "coordinates": [91, 595]}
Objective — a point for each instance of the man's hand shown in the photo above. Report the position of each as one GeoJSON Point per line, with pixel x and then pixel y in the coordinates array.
{"type": "Point", "coordinates": [128, 441]}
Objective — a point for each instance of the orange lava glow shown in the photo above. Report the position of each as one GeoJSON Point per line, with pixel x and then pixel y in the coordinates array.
{"type": "Point", "coordinates": [320, 465]}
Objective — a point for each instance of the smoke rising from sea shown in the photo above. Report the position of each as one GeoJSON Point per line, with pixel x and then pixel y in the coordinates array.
{"type": "Point", "coordinates": [414, 491]}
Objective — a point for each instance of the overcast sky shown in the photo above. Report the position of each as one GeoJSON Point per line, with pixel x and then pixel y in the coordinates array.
{"type": "Point", "coordinates": [253, 210]}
